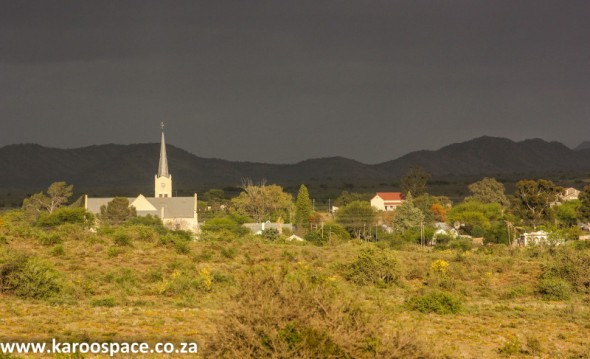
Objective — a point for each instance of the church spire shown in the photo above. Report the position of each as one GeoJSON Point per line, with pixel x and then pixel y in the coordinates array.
{"type": "Point", "coordinates": [163, 167]}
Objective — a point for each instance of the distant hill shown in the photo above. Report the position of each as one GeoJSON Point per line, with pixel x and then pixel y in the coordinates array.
{"type": "Point", "coordinates": [583, 146]}
{"type": "Point", "coordinates": [124, 167]}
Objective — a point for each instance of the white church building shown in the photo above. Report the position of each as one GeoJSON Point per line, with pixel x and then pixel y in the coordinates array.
{"type": "Point", "coordinates": [175, 212]}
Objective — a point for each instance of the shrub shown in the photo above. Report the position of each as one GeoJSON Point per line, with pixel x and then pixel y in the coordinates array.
{"type": "Point", "coordinates": [49, 239]}
{"type": "Point", "coordinates": [435, 302]}
{"type": "Point", "coordinates": [224, 224]}
{"type": "Point", "coordinates": [29, 278]}
{"type": "Point", "coordinates": [104, 302]}
{"type": "Point", "coordinates": [65, 215]}
{"type": "Point", "coordinates": [177, 240]}
{"type": "Point", "coordinates": [460, 244]}
{"type": "Point", "coordinates": [58, 250]}
{"type": "Point", "coordinates": [571, 266]}
{"type": "Point", "coordinates": [555, 289]}
{"type": "Point", "coordinates": [511, 347]}
{"type": "Point", "coordinates": [271, 234]}
{"type": "Point", "coordinates": [308, 317]}
{"type": "Point", "coordinates": [440, 266]}
{"type": "Point", "coordinates": [122, 239]}
{"type": "Point", "coordinates": [373, 267]}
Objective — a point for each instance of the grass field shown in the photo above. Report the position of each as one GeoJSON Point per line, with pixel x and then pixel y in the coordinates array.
{"type": "Point", "coordinates": [246, 296]}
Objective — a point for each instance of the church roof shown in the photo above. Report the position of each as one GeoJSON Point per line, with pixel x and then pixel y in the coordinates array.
{"type": "Point", "coordinates": [174, 207]}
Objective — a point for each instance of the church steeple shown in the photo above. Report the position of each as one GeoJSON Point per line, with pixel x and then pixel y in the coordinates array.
{"type": "Point", "coordinates": [163, 180]}
{"type": "Point", "coordinates": [163, 167]}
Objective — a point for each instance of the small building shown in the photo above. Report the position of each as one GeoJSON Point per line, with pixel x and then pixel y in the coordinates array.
{"type": "Point", "coordinates": [295, 237]}
{"type": "Point", "coordinates": [387, 201]}
{"type": "Point", "coordinates": [537, 238]}
{"type": "Point", "coordinates": [442, 229]}
{"type": "Point", "coordinates": [569, 194]}
{"type": "Point", "coordinates": [258, 228]}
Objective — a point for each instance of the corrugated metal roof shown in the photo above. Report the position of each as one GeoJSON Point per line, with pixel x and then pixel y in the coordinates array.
{"type": "Point", "coordinates": [174, 207]}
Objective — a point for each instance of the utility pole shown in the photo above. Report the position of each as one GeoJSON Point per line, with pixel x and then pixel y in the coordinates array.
{"type": "Point", "coordinates": [422, 240]}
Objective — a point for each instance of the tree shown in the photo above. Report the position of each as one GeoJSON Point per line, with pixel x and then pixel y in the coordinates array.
{"type": "Point", "coordinates": [533, 199]}
{"type": "Point", "coordinates": [567, 213]}
{"type": "Point", "coordinates": [57, 195]}
{"type": "Point", "coordinates": [584, 209]}
{"type": "Point", "coordinates": [434, 208]}
{"type": "Point", "coordinates": [407, 216]}
{"type": "Point", "coordinates": [356, 217]}
{"type": "Point", "coordinates": [303, 208]}
{"type": "Point", "coordinates": [261, 202]}
{"type": "Point", "coordinates": [415, 181]}
{"type": "Point", "coordinates": [475, 214]}
{"type": "Point", "coordinates": [214, 198]}
{"type": "Point", "coordinates": [348, 197]}
{"type": "Point", "coordinates": [488, 190]}
{"type": "Point", "coordinates": [117, 211]}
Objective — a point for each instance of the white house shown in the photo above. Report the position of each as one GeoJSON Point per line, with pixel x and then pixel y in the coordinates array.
{"type": "Point", "coordinates": [569, 194]}
{"type": "Point", "coordinates": [536, 238]}
{"type": "Point", "coordinates": [387, 201]}
{"type": "Point", "coordinates": [175, 212]}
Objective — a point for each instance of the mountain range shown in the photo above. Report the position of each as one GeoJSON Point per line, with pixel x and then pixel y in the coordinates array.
{"type": "Point", "coordinates": [31, 166]}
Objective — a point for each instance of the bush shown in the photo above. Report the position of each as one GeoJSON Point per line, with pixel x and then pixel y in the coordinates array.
{"type": "Point", "coordinates": [65, 215]}
{"type": "Point", "coordinates": [572, 266]}
{"type": "Point", "coordinates": [122, 239]}
{"type": "Point", "coordinates": [177, 240]}
{"type": "Point", "coordinates": [49, 239]}
{"type": "Point", "coordinates": [459, 244]}
{"type": "Point", "coordinates": [28, 277]}
{"type": "Point", "coordinates": [224, 224]}
{"type": "Point", "coordinates": [435, 302]}
{"type": "Point", "coordinates": [373, 267]}
{"type": "Point", "coordinates": [104, 302]}
{"type": "Point", "coordinates": [271, 234]}
{"type": "Point", "coordinates": [555, 289]}
{"type": "Point", "coordinates": [58, 250]}
{"type": "Point", "coordinates": [295, 324]}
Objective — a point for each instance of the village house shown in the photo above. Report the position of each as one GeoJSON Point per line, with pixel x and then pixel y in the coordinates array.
{"type": "Point", "coordinates": [569, 194]}
{"type": "Point", "coordinates": [387, 201]}
{"type": "Point", "coordinates": [536, 238]}
{"type": "Point", "coordinates": [175, 212]}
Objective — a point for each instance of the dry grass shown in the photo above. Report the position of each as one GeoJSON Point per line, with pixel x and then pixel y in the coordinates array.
{"type": "Point", "coordinates": [272, 290]}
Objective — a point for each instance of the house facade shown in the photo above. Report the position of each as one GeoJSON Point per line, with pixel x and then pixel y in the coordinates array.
{"type": "Point", "coordinates": [175, 212]}
{"type": "Point", "coordinates": [387, 201]}
{"type": "Point", "coordinates": [537, 238]}
{"type": "Point", "coordinates": [569, 194]}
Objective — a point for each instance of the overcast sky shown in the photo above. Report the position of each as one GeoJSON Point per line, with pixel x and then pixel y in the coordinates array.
{"type": "Point", "coordinates": [282, 81]}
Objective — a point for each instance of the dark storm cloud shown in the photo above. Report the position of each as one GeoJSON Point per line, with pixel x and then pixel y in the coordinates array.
{"type": "Point", "coordinates": [283, 81]}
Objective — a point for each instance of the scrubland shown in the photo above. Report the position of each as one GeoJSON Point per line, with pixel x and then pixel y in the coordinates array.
{"type": "Point", "coordinates": [251, 297]}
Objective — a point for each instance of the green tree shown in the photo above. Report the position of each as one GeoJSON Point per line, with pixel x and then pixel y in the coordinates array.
{"type": "Point", "coordinates": [584, 208]}
{"type": "Point", "coordinates": [262, 202]}
{"type": "Point", "coordinates": [407, 216]}
{"type": "Point", "coordinates": [303, 208]}
{"type": "Point", "coordinates": [214, 198]}
{"type": "Point", "coordinates": [415, 181]}
{"type": "Point", "coordinates": [533, 199]}
{"type": "Point", "coordinates": [567, 213]}
{"type": "Point", "coordinates": [117, 211]}
{"type": "Point", "coordinates": [347, 197]}
{"type": "Point", "coordinates": [488, 190]}
{"type": "Point", "coordinates": [356, 217]}
{"type": "Point", "coordinates": [57, 195]}
{"type": "Point", "coordinates": [475, 214]}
